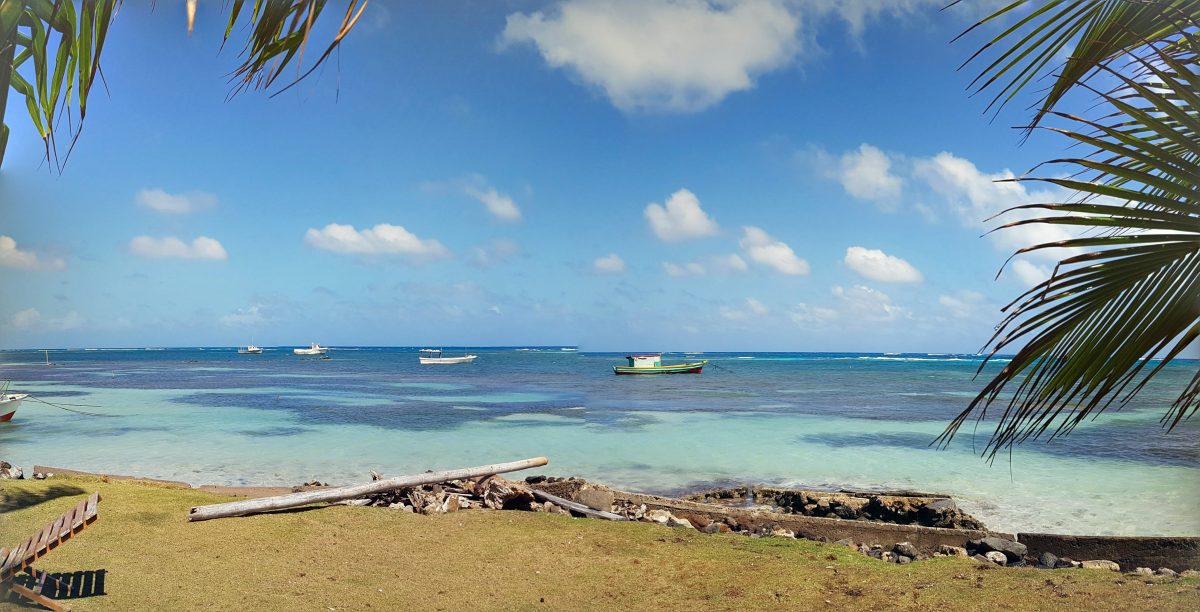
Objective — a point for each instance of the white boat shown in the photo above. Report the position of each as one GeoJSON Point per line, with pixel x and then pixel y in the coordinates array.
{"type": "Point", "coordinates": [434, 357]}
{"type": "Point", "coordinates": [9, 402]}
{"type": "Point", "coordinates": [315, 349]}
{"type": "Point", "coordinates": [251, 350]}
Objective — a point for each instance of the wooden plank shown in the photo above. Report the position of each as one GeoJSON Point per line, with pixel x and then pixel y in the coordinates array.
{"type": "Point", "coordinates": [89, 515]}
{"type": "Point", "coordinates": [79, 515]}
{"type": "Point", "coordinates": [12, 563]}
{"type": "Point", "coordinates": [280, 502]}
{"type": "Point", "coordinates": [64, 531]}
{"type": "Point", "coordinates": [577, 507]}
{"type": "Point", "coordinates": [55, 531]}
{"type": "Point", "coordinates": [37, 598]}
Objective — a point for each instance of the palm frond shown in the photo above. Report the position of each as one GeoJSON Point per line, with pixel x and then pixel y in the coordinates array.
{"type": "Point", "coordinates": [1089, 336]}
{"type": "Point", "coordinates": [1093, 32]}
{"type": "Point", "coordinates": [53, 57]}
{"type": "Point", "coordinates": [279, 33]}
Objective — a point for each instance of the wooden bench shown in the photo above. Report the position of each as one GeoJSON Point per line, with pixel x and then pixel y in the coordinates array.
{"type": "Point", "coordinates": [20, 558]}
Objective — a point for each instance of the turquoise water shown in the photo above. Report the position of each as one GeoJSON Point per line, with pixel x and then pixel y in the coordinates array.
{"type": "Point", "coordinates": [832, 420]}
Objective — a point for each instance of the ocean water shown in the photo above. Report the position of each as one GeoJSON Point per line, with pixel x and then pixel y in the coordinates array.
{"type": "Point", "coordinates": [825, 420]}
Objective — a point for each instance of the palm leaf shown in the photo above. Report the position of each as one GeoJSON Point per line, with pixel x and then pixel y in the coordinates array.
{"type": "Point", "coordinates": [1094, 32]}
{"type": "Point", "coordinates": [1089, 335]}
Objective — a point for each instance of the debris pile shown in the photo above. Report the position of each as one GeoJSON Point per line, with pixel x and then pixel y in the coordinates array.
{"type": "Point", "coordinates": [486, 492]}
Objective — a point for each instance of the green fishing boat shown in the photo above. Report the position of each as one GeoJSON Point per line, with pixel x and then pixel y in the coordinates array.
{"type": "Point", "coordinates": [651, 363]}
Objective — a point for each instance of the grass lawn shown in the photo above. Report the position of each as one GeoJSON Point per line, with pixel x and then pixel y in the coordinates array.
{"type": "Point", "coordinates": [370, 558]}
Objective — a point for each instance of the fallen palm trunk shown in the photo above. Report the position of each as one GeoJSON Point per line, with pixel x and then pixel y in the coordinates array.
{"type": "Point", "coordinates": [577, 507]}
{"type": "Point", "coordinates": [280, 502]}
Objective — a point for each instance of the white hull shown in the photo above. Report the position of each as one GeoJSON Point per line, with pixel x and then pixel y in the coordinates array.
{"type": "Point", "coordinates": [446, 360]}
{"type": "Point", "coordinates": [250, 350]}
{"type": "Point", "coordinates": [9, 404]}
{"type": "Point", "coordinates": [312, 350]}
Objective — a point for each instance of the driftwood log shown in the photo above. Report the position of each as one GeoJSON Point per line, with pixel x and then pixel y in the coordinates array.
{"type": "Point", "coordinates": [333, 494]}
{"type": "Point", "coordinates": [577, 507]}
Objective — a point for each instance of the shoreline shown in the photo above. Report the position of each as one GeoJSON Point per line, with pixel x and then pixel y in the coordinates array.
{"type": "Point", "coordinates": [1175, 552]}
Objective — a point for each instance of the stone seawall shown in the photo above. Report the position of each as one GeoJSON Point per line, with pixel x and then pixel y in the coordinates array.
{"type": "Point", "coordinates": [1177, 553]}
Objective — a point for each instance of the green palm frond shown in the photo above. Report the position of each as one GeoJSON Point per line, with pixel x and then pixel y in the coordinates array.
{"type": "Point", "coordinates": [1089, 335]}
{"type": "Point", "coordinates": [50, 54]}
{"type": "Point", "coordinates": [1095, 32]}
{"type": "Point", "coordinates": [279, 33]}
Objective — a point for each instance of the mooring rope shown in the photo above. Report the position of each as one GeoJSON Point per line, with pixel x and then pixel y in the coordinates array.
{"type": "Point", "coordinates": [64, 407]}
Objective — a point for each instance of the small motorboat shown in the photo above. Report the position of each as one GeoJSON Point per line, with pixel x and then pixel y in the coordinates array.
{"type": "Point", "coordinates": [434, 357]}
{"type": "Point", "coordinates": [9, 402]}
{"type": "Point", "coordinates": [315, 349]}
{"type": "Point", "coordinates": [251, 350]}
{"type": "Point", "coordinates": [651, 363]}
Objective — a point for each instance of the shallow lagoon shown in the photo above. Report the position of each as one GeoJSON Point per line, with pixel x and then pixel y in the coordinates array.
{"type": "Point", "coordinates": [854, 420]}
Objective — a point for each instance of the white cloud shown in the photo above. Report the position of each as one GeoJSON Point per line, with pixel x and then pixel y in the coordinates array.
{"type": "Point", "coordinates": [1029, 273]}
{"type": "Point", "coordinates": [721, 264]}
{"type": "Point", "coordinates": [245, 317]}
{"type": "Point", "coordinates": [975, 196]}
{"type": "Point", "coordinates": [762, 248]}
{"type": "Point", "coordinates": [609, 264]}
{"type": "Point", "coordinates": [501, 206]}
{"type": "Point", "coordinates": [662, 55]}
{"type": "Point", "coordinates": [161, 201]}
{"type": "Point", "coordinates": [876, 265]}
{"type": "Point", "coordinates": [681, 218]}
{"type": "Point", "coordinates": [31, 319]}
{"type": "Point", "coordinates": [383, 239]}
{"type": "Point", "coordinates": [202, 247]}
{"type": "Point", "coordinates": [692, 268]}
{"type": "Point", "coordinates": [806, 315]}
{"type": "Point", "coordinates": [867, 175]}
{"type": "Point", "coordinates": [752, 308]}
{"type": "Point", "coordinates": [867, 304]}
{"type": "Point", "coordinates": [13, 257]}
{"type": "Point", "coordinates": [494, 252]}
{"type": "Point", "coordinates": [963, 304]}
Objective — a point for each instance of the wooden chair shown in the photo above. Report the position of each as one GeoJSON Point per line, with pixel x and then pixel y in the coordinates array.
{"type": "Point", "coordinates": [21, 558]}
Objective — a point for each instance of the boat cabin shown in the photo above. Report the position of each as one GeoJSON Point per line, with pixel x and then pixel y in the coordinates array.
{"type": "Point", "coordinates": [653, 360]}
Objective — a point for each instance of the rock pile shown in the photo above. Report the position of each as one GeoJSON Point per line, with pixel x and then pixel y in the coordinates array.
{"type": "Point", "coordinates": [9, 471]}
{"type": "Point", "coordinates": [923, 509]}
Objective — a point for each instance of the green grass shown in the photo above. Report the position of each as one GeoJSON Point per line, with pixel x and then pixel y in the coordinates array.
{"type": "Point", "coordinates": [370, 558]}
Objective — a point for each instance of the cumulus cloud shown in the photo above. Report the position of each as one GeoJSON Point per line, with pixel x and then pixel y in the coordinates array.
{"type": "Point", "coordinates": [974, 196]}
{"type": "Point", "coordinates": [806, 315]}
{"type": "Point", "coordinates": [245, 317]}
{"type": "Point", "coordinates": [1029, 273]}
{"type": "Point", "coordinates": [680, 218]}
{"type": "Point", "coordinates": [963, 304]}
{"type": "Point", "coordinates": [202, 247]}
{"type": "Point", "coordinates": [876, 265]}
{"type": "Point", "coordinates": [661, 55]}
{"type": "Point", "coordinates": [12, 256]}
{"type": "Point", "coordinates": [494, 252]}
{"type": "Point", "coordinates": [867, 175]}
{"type": "Point", "coordinates": [719, 264]}
{"type": "Point", "coordinates": [751, 308]}
{"type": "Point", "coordinates": [181, 203]}
{"type": "Point", "coordinates": [760, 247]}
{"type": "Point", "coordinates": [691, 268]}
{"type": "Point", "coordinates": [867, 304]}
{"type": "Point", "coordinates": [609, 264]}
{"type": "Point", "coordinates": [501, 206]}
{"type": "Point", "coordinates": [32, 319]}
{"type": "Point", "coordinates": [383, 239]}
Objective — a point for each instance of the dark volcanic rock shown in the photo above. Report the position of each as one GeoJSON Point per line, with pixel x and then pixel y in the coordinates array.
{"type": "Point", "coordinates": [1015, 551]}
{"type": "Point", "coordinates": [1048, 559]}
{"type": "Point", "coordinates": [906, 549]}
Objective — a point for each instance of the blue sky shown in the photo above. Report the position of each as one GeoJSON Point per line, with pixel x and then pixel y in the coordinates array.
{"type": "Point", "coordinates": [619, 175]}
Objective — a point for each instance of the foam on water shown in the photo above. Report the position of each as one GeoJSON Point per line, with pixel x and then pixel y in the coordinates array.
{"type": "Point", "coordinates": [798, 419]}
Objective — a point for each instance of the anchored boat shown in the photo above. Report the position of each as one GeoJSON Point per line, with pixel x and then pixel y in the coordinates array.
{"type": "Point", "coordinates": [315, 349]}
{"type": "Point", "coordinates": [651, 363]}
{"type": "Point", "coordinates": [9, 402]}
{"type": "Point", "coordinates": [434, 357]}
{"type": "Point", "coordinates": [250, 350]}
